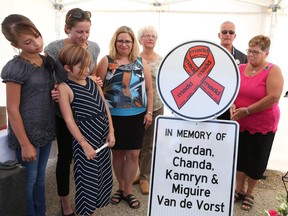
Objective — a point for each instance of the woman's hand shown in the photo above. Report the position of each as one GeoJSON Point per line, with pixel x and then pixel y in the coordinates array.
{"type": "Point", "coordinates": [55, 94]}
{"type": "Point", "coordinates": [111, 139]}
{"type": "Point", "coordinates": [29, 153]}
{"type": "Point", "coordinates": [147, 120]}
{"type": "Point", "coordinates": [232, 110]}
{"type": "Point", "coordinates": [239, 113]}
{"type": "Point", "coordinates": [88, 150]}
{"type": "Point", "coordinates": [98, 80]}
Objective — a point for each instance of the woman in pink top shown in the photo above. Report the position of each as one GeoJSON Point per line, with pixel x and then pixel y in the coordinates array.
{"type": "Point", "coordinates": [257, 112]}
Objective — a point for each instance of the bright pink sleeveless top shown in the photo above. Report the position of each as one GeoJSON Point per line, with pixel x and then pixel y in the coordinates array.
{"type": "Point", "coordinates": [252, 89]}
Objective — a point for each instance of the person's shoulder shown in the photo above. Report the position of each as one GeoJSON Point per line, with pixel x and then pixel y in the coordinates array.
{"type": "Point", "coordinates": [275, 73]}
{"type": "Point", "coordinates": [109, 59]}
{"type": "Point", "coordinates": [56, 43]}
{"type": "Point", "coordinates": [239, 56]}
{"type": "Point", "coordinates": [11, 61]}
{"type": "Point", "coordinates": [63, 87]}
{"type": "Point", "coordinates": [159, 58]}
{"type": "Point", "coordinates": [93, 48]}
{"type": "Point", "coordinates": [15, 70]}
{"type": "Point", "coordinates": [7, 68]}
{"type": "Point", "coordinates": [239, 52]}
{"type": "Point", "coordinates": [140, 61]}
{"type": "Point", "coordinates": [93, 78]}
{"type": "Point", "coordinates": [104, 61]}
{"type": "Point", "coordinates": [273, 67]}
{"type": "Point", "coordinates": [49, 62]}
{"type": "Point", "coordinates": [92, 43]}
{"type": "Point", "coordinates": [54, 46]}
{"type": "Point", "coordinates": [242, 67]}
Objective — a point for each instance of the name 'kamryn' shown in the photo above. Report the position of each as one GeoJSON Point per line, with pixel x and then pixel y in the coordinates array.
{"type": "Point", "coordinates": [189, 177]}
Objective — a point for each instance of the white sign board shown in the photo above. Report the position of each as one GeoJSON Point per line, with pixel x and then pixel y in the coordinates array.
{"type": "Point", "coordinates": [198, 80]}
{"type": "Point", "coordinates": [193, 167]}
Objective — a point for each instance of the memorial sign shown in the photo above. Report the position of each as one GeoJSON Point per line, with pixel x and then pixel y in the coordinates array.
{"type": "Point", "coordinates": [193, 167]}
{"type": "Point", "coordinates": [194, 155]}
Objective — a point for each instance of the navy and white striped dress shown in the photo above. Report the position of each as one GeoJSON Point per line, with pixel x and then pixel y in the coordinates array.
{"type": "Point", "coordinates": [93, 178]}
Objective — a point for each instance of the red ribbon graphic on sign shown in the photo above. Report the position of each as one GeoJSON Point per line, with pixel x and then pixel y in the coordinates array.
{"type": "Point", "coordinates": [198, 77]}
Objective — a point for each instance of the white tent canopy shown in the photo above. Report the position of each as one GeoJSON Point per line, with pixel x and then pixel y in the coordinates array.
{"type": "Point", "coordinates": [177, 21]}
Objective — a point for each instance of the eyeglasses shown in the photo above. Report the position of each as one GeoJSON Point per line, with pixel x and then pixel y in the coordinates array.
{"type": "Point", "coordinates": [149, 36]}
{"type": "Point", "coordinates": [231, 32]}
{"type": "Point", "coordinates": [127, 42]}
{"type": "Point", "coordinates": [80, 14]}
{"type": "Point", "coordinates": [254, 52]}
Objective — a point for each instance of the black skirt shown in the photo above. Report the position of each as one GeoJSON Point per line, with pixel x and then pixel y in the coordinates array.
{"type": "Point", "coordinates": [253, 153]}
{"type": "Point", "coordinates": [129, 132]}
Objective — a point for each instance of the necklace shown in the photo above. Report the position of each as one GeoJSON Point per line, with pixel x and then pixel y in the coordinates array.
{"type": "Point", "coordinates": [149, 57]}
{"type": "Point", "coordinates": [256, 70]}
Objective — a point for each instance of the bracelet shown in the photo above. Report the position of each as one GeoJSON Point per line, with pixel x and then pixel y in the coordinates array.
{"type": "Point", "coordinates": [148, 112]}
{"type": "Point", "coordinates": [247, 111]}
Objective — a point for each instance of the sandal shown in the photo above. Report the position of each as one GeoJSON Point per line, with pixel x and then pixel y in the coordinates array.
{"type": "Point", "coordinates": [131, 200]}
{"type": "Point", "coordinates": [248, 202]}
{"type": "Point", "coordinates": [238, 196]}
{"type": "Point", "coordinates": [117, 197]}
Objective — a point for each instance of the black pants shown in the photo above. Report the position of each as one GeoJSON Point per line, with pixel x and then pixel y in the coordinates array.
{"type": "Point", "coordinates": [64, 142]}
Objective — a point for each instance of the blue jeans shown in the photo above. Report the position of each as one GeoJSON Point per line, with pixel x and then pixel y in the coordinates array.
{"type": "Point", "coordinates": [35, 181]}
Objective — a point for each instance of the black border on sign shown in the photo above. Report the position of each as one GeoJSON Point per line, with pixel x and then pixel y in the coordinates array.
{"type": "Point", "coordinates": [234, 164]}
{"type": "Point", "coordinates": [208, 117]}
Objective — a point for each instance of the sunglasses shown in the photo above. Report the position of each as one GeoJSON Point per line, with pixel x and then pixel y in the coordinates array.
{"type": "Point", "coordinates": [80, 14]}
{"type": "Point", "coordinates": [226, 32]}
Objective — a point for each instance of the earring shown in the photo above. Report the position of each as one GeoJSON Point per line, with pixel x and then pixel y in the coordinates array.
{"type": "Point", "coordinates": [17, 50]}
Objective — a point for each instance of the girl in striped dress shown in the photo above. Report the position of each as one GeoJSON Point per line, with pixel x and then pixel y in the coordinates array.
{"type": "Point", "coordinates": [89, 121]}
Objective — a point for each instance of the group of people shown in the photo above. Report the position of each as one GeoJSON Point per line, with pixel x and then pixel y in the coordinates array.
{"type": "Point", "coordinates": [66, 94]}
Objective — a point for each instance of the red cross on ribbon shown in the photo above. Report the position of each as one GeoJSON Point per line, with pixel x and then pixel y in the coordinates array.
{"type": "Point", "coordinates": [198, 77]}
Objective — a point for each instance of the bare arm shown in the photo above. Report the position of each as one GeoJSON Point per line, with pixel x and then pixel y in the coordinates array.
{"type": "Point", "coordinates": [149, 93]}
{"type": "Point", "coordinates": [102, 68]}
{"type": "Point", "coordinates": [110, 136]}
{"type": "Point", "coordinates": [274, 88]}
{"type": "Point", "coordinates": [16, 121]}
{"type": "Point", "coordinates": [67, 113]}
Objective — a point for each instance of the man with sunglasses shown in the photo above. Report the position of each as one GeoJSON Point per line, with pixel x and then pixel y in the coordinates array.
{"type": "Point", "coordinates": [227, 35]}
